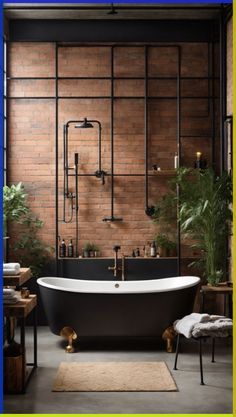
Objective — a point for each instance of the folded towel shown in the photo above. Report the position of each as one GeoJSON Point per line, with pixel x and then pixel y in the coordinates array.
{"type": "Point", "coordinates": [13, 300]}
{"type": "Point", "coordinates": [11, 269]}
{"type": "Point", "coordinates": [8, 291]}
{"type": "Point", "coordinates": [218, 327]}
{"type": "Point", "coordinates": [11, 265]}
{"type": "Point", "coordinates": [186, 324]}
{"type": "Point", "coordinates": [10, 272]}
{"type": "Point", "coordinates": [8, 296]}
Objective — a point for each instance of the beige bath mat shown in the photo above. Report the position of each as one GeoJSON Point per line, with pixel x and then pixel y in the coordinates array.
{"type": "Point", "coordinates": [114, 376]}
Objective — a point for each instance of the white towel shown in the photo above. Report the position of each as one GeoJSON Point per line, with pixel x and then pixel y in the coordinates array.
{"type": "Point", "coordinates": [11, 265]}
{"type": "Point", "coordinates": [12, 300]}
{"type": "Point", "coordinates": [11, 269]}
{"type": "Point", "coordinates": [216, 327]}
{"type": "Point", "coordinates": [8, 296]}
{"type": "Point", "coordinates": [8, 291]}
{"type": "Point", "coordinates": [186, 324]}
{"type": "Point", "coordinates": [10, 272]}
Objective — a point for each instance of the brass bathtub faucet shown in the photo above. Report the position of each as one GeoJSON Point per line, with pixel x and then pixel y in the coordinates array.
{"type": "Point", "coordinates": [123, 267]}
{"type": "Point", "coordinates": [69, 334]}
{"type": "Point", "coordinates": [116, 268]}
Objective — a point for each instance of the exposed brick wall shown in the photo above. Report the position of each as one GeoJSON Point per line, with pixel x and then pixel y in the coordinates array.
{"type": "Point", "coordinates": [230, 67]}
{"type": "Point", "coordinates": [32, 130]}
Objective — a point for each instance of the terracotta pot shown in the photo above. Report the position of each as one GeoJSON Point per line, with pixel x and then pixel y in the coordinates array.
{"type": "Point", "coordinates": [172, 253]}
{"type": "Point", "coordinates": [212, 285]}
{"type": "Point", "coordinates": [163, 252]}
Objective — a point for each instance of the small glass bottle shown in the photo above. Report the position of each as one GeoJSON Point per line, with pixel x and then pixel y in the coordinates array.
{"type": "Point", "coordinates": [137, 252]}
{"type": "Point", "coordinates": [153, 250]}
{"type": "Point", "coordinates": [62, 249]}
{"type": "Point", "coordinates": [70, 249]}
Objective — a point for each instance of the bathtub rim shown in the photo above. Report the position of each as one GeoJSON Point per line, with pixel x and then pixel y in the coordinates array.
{"type": "Point", "coordinates": [194, 281]}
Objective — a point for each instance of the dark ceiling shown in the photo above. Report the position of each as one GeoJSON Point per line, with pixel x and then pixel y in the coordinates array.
{"type": "Point", "coordinates": [121, 11]}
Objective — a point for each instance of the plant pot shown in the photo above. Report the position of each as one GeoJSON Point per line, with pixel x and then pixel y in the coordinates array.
{"type": "Point", "coordinates": [214, 280]}
{"type": "Point", "coordinates": [163, 252]}
{"type": "Point", "coordinates": [213, 285]}
{"type": "Point", "coordinates": [172, 253]}
{"type": "Point", "coordinates": [86, 253]}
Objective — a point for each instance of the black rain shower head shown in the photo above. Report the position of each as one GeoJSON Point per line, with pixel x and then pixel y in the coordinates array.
{"type": "Point", "coordinates": [85, 124]}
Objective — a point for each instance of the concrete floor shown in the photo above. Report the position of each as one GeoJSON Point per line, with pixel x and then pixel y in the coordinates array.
{"type": "Point", "coordinates": [215, 397]}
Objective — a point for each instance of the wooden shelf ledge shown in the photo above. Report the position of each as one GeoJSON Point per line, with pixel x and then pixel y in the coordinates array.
{"type": "Point", "coordinates": [222, 288]}
{"type": "Point", "coordinates": [22, 308]}
{"type": "Point", "coordinates": [17, 280]}
{"type": "Point", "coordinates": [162, 173]}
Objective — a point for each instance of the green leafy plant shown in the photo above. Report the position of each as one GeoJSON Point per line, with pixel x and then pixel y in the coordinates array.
{"type": "Point", "coordinates": [90, 249]}
{"type": "Point", "coordinates": [165, 216]}
{"type": "Point", "coordinates": [29, 249]}
{"type": "Point", "coordinates": [165, 246]}
{"type": "Point", "coordinates": [88, 246]}
{"type": "Point", "coordinates": [163, 241]}
{"type": "Point", "coordinates": [204, 216]}
{"type": "Point", "coordinates": [166, 210]}
{"type": "Point", "coordinates": [14, 204]}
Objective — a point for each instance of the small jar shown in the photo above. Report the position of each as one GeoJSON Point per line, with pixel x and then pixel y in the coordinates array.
{"type": "Point", "coordinates": [24, 292]}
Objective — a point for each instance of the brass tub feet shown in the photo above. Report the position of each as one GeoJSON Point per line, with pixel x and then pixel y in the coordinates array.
{"type": "Point", "coordinates": [69, 334]}
{"type": "Point", "coordinates": [169, 335]}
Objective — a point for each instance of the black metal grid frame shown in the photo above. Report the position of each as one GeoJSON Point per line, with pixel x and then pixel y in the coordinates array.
{"type": "Point", "coordinates": [211, 99]}
{"type": "Point", "coordinates": [5, 113]}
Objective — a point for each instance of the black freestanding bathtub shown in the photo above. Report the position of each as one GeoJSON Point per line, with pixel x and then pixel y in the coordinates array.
{"type": "Point", "coordinates": [117, 308]}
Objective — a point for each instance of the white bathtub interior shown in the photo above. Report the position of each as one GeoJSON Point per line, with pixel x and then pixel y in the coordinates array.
{"type": "Point", "coordinates": [119, 287]}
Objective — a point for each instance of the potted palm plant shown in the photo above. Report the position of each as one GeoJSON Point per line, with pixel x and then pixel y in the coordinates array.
{"type": "Point", "coordinates": [205, 215]}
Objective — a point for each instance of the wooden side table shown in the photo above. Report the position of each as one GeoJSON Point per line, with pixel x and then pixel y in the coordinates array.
{"type": "Point", "coordinates": [17, 280]}
{"type": "Point", "coordinates": [223, 289]}
{"type": "Point", "coordinates": [20, 311]}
